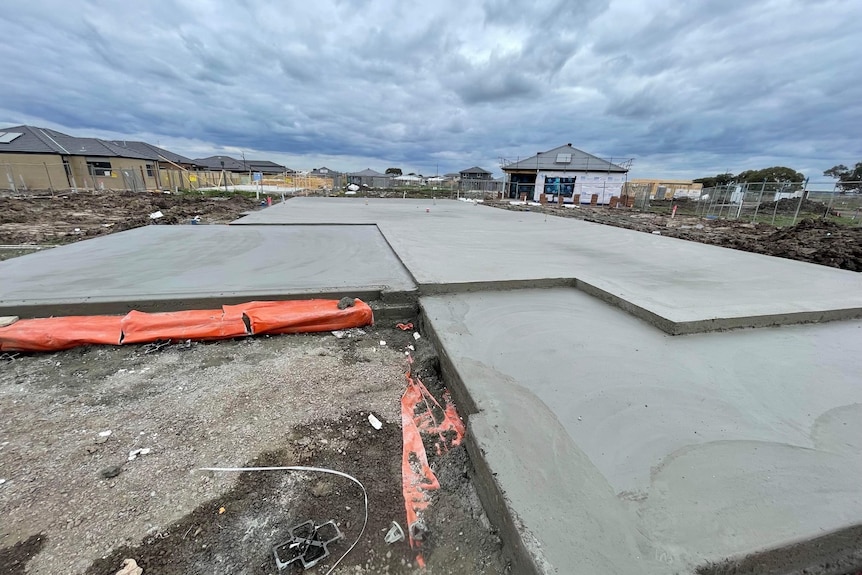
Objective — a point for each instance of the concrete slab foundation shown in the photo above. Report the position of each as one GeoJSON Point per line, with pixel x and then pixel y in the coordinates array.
{"type": "Point", "coordinates": [615, 425]}
{"type": "Point", "coordinates": [624, 450]}
{"type": "Point", "coordinates": [158, 268]}
{"type": "Point", "coordinates": [681, 286]}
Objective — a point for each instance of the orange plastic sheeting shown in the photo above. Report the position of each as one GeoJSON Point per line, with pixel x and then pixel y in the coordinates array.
{"type": "Point", "coordinates": [418, 417]}
{"type": "Point", "coordinates": [197, 324]}
{"type": "Point", "coordinates": [58, 333]}
{"type": "Point", "coordinates": [302, 316]}
{"type": "Point", "coordinates": [257, 317]}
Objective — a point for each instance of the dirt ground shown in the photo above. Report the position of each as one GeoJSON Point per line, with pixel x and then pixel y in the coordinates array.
{"type": "Point", "coordinates": [62, 219]}
{"type": "Point", "coordinates": [73, 503]}
{"type": "Point", "coordinates": [815, 241]}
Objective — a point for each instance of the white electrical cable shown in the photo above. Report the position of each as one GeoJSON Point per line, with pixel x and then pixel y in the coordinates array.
{"type": "Point", "coordinates": [315, 470]}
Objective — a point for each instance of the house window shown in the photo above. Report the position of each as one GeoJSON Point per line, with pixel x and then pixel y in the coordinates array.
{"type": "Point", "coordinates": [149, 170]}
{"type": "Point", "coordinates": [560, 186]}
{"type": "Point", "coordinates": [99, 168]}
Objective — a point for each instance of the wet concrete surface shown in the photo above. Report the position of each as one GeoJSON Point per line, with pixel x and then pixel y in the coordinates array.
{"type": "Point", "coordinates": [158, 266]}
{"type": "Point", "coordinates": [681, 286]}
{"type": "Point", "coordinates": [608, 445]}
{"type": "Point", "coordinates": [661, 453]}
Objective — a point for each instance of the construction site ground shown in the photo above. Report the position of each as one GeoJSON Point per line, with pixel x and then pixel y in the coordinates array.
{"type": "Point", "coordinates": [73, 503]}
{"type": "Point", "coordinates": [673, 407]}
{"type": "Point", "coordinates": [43, 219]}
{"type": "Point", "coordinates": [816, 241]}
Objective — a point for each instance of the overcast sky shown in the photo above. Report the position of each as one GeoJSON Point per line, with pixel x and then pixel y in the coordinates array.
{"type": "Point", "coordinates": [685, 88]}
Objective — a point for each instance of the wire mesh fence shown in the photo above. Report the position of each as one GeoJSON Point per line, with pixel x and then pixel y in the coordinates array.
{"type": "Point", "coordinates": [775, 203]}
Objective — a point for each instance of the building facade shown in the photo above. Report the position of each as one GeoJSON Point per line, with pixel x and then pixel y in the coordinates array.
{"type": "Point", "coordinates": [565, 173]}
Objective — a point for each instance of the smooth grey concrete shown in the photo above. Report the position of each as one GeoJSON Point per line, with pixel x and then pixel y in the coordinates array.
{"type": "Point", "coordinates": [681, 286]}
{"type": "Point", "coordinates": [621, 449]}
{"type": "Point", "coordinates": [157, 267]}
{"type": "Point", "coordinates": [603, 444]}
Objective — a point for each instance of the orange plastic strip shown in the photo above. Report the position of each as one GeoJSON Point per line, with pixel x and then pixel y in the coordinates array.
{"type": "Point", "coordinates": [417, 417]}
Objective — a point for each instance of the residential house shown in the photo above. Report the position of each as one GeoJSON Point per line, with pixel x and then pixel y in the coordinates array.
{"type": "Point", "coordinates": [476, 178]}
{"type": "Point", "coordinates": [171, 170]}
{"type": "Point", "coordinates": [43, 159]}
{"type": "Point", "coordinates": [370, 178]}
{"type": "Point", "coordinates": [565, 172]}
{"type": "Point", "coordinates": [243, 166]}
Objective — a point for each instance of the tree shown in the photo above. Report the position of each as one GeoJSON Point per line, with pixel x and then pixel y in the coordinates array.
{"type": "Point", "coordinates": [848, 180]}
{"type": "Point", "coordinates": [717, 180]}
{"type": "Point", "coordinates": [779, 174]}
{"type": "Point", "coordinates": [394, 171]}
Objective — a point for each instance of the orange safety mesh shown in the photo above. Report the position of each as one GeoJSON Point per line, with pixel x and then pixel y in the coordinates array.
{"type": "Point", "coordinates": [419, 414]}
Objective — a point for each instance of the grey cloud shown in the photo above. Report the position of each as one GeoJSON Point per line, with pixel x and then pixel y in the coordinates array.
{"type": "Point", "coordinates": [685, 87]}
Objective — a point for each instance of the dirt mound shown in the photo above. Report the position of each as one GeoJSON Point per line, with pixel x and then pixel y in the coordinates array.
{"type": "Point", "coordinates": [790, 205]}
{"type": "Point", "coordinates": [72, 217]}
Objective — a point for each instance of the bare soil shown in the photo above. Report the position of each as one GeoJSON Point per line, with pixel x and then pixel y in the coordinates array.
{"type": "Point", "coordinates": [62, 219]}
{"type": "Point", "coordinates": [73, 503]}
{"type": "Point", "coordinates": [816, 241]}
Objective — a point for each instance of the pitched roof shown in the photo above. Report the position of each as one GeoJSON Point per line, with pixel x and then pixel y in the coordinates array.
{"type": "Point", "coordinates": [152, 152]}
{"type": "Point", "coordinates": [265, 166]}
{"type": "Point", "coordinates": [45, 141]}
{"type": "Point", "coordinates": [565, 158]}
{"type": "Point", "coordinates": [214, 163]}
{"type": "Point", "coordinates": [474, 170]}
{"type": "Point", "coordinates": [369, 173]}
{"type": "Point", "coordinates": [34, 140]}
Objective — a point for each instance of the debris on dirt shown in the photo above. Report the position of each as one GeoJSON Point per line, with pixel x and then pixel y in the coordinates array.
{"type": "Point", "coordinates": [111, 471]}
{"type": "Point", "coordinates": [130, 567]}
{"type": "Point", "coordinates": [404, 326]}
{"type": "Point", "coordinates": [308, 545]}
{"type": "Point", "coordinates": [30, 219]}
{"type": "Point", "coordinates": [8, 320]}
{"type": "Point", "coordinates": [322, 489]}
{"type": "Point", "coordinates": [255, 401]}
{"type": "Point", "coordinates": [348, 333]}
{"type": "Point", "coordinates": [395, 533]}
{"type": "Point", "coordinates": [135, 453]}
{"type": "Point", "coordinates": [346, 302]}
{"type": "Point", "coordinates": [375, 423]}
{"type": "Point", "coordinates": [416, 335]}
{"type": "Point", "coordinates": [106, 433]}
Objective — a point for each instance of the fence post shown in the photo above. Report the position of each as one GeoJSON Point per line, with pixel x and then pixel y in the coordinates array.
{"type": "Point", "coordinates": [48, 173]}
{"type": "Point", "coordinates": [801, 198]}
{"type": "Point", "coordinates": [759, 198]}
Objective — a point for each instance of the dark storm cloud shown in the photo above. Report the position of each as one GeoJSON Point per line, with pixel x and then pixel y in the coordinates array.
{"type": "Point", "coordinates": [687, 88]}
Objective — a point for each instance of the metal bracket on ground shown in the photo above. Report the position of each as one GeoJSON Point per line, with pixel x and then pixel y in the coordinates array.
{"type": "Point", "coordinates": [307, 546]}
